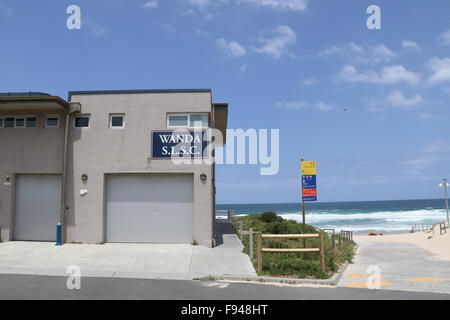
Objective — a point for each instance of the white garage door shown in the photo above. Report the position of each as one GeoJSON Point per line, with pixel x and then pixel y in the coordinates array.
{"type": "Point", "coordinates": [153, 208]}
{"type": "Point", "coordinates": [37, 207]}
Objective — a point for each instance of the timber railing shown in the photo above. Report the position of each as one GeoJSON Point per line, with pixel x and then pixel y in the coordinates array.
{"type": "Point", "coordinates": [320, 249]}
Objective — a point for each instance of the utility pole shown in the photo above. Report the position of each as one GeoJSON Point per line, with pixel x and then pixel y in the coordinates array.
{"type": "Point", "coordinates": [445, 185]}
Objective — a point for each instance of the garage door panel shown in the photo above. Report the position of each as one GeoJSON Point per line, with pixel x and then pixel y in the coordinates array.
{"type": "Point", "coordinates": [150, 208]}
{"type": "Point", "coordinates": [37, 207]}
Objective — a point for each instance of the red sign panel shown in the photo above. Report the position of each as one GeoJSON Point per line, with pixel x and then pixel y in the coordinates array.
{"type": "Point", "coordinates": [309, 192]}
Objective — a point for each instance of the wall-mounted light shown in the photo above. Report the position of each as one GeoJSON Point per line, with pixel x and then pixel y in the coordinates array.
{"type": "Point", "coordinates": [84, 177]}
{"type": "Point", "coordinates": [203, 177]}
{"type": "Point", "coordinates": [7, 178]}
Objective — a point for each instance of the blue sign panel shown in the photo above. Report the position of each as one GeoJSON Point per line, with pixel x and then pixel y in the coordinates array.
{"type": "Point", "coordinates": [309, 182]}
{"type": "Point", "coordinates": [309, 199]}
{"type": "Point", "coordinates": [179, 144]}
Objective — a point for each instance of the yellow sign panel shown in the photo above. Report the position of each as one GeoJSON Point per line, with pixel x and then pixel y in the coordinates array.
{"type": "Point", "coordinates": [308, 167]}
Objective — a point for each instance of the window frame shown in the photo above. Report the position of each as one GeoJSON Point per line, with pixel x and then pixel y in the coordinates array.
{"type": "Point", "coordinates": [9, 117]}
{"type": "Point", "coordinates": [188, 119]}
{"type": "Point", "coordinates": [179, 115]}
{"type": "Point", "coordinates": [35, 123]}
{"type": "Point", "coordinates": [51, 116]}
{"type": "Point", "coordinates": [24, 122]}
{"type": "Point", "coordinates": [111, 115]}
{"type": "Point", "coordinates": [82, 116]}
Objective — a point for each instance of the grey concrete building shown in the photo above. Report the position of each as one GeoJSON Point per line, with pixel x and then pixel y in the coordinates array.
{"type": "Point", "coordinates": [101, 165]}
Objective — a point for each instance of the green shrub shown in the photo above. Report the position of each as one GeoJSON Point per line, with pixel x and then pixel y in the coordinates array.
{"type": "Point", "coordinates": [293, 264]}
{"type": "Point", "coordinates": [277, 227]}
{"type": "Point", "coordinates": [270, 216]}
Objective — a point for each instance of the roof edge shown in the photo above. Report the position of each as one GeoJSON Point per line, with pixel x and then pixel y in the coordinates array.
{"type": "Point", "coordinates": [98, 92]}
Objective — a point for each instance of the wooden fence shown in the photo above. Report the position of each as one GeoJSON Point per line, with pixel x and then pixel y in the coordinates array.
{"type": "Point", "coordinates": [442, 228]}
{"type": "Point", "coordinates": [319, 236]}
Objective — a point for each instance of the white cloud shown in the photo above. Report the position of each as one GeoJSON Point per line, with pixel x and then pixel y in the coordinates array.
{"type": "Point", "coordinates": [444, 38]}
{"type": "Point", "coordinates": [347, 50]}
{"type": "Point", "coordinates": [244, 68]}
{"type": "Point", "coordinates": [411, 45]}
{"type": "Point", "coordinates": [232, 49]}
{"type": "Point", "coordinates": [151, 5]}
{"type": "Point", "coordinates": [321, 106]}
{"type": "Point", "coordinates": [397, 99]}
{"type": "Point", "coordinates": [440, 69]}
{"type": "Point", "coordinates": [276, 46]}
{"type": "Point", "coordinates": [309, 82]}
{"type": "Point", "coordinates": [427, 116]}
{"type": "Point", "coordinates": [382, 53]}
{"type": "Point", "coordinates": [292, 105]}
{"type": "Point", "coordinates": [200, 4]}
{"type": "Point", "coordinates": [98, 31]}
{"type": "Point", "coordinates": [209, 16]}
{"type": "Point", "coordinates": [283, 5]}
{"type": "Point", "coordinates": [388, 75]}
{"type": "Point", "coordinates": [202, 33]}
{"type": "Point", "coordinates": [354, 52]}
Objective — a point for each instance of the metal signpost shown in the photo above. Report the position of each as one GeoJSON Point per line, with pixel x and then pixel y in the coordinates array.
{"type": "Point", "coordinates": [445, 185]}
{"type": "Point", "coordinates": [309, 188]}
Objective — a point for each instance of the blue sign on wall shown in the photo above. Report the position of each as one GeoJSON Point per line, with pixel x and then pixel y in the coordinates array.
{"type": "Point", "coordinates": [179, 144]}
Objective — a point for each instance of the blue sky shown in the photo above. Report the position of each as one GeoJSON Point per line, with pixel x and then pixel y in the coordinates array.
{"type": "Point", "coordinates": [293, 65]}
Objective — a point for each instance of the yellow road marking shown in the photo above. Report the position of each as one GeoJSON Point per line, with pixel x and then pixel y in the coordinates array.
{"type": "Point", "coordinates": [360, 276]}
{"type": "Point", "coordinates": [427, 279]}
{"type": "Point", "coordinates": [364, 284]}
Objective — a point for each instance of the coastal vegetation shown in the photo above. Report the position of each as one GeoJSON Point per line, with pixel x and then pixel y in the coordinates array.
{"type": "Point", "coordinates": [294, 265]}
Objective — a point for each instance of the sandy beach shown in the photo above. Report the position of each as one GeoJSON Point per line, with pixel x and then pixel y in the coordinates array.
{"type": "Point", "coordinates": [438, 245]}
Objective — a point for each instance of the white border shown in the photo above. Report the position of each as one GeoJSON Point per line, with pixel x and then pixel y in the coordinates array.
{"type": "Point", "coordinates": [82, 116]}
{"type": "Point", "coordinates": [51, 116]}
{"type": "Point", "coordinates": [111, 115]}
{"type": "Point", "coordinates": [188, 118]}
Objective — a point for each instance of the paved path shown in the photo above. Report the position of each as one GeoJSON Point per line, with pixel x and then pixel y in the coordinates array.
{"type": "Point", "coordinates": [402, 266]}
{"type": "Point", "coordinates": [45, 287]}
{"type": "Point", "coordinates": [146, 261]}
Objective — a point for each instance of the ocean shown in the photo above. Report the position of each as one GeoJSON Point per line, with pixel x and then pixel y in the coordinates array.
{"type": "Point", "coordinates": [361, 217]}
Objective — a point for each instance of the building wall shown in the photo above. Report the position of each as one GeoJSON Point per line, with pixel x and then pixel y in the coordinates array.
{"type": "Point", "coordinates": [99, 151]}
{"type": "Point", "coordinates": [27, 151]}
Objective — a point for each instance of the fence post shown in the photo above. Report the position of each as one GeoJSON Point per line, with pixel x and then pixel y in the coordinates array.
{"type": "Point", "coordinates": [332, 239]}
{"type": "Point", "coordinates": [251, 244]}
{"type": "Point", "coordinates": [241, 230]}
{"type": "Point", "coordinates": [259, 252]}
{"type": "Point", "coordinates": [340, 236]}
{"type": "Point", "coordinates": [322, 252]}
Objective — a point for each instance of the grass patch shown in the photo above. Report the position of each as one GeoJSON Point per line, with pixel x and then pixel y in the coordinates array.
{"type": "Point", "coordinates": [294, 265]}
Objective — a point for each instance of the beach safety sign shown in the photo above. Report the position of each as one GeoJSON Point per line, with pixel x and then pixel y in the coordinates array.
{"type": "Point", "coordinates": [309, 181]}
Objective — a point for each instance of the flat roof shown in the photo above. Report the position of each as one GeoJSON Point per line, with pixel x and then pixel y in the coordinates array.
{"type": "Point", "coordinates": [24, 94]}
{"type": "Point", "coordinates": [71, 93]}
{"type": "Point", "coordinates": [27, 100]}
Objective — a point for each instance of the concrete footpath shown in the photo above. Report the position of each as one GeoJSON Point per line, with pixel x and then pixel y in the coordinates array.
{"type": "Point", "coordinates": [403, 266]}
{"type": "Point", "coordinates": [142, 261]}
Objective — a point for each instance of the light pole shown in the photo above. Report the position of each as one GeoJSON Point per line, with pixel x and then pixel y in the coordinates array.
{"type": "Point", "coordinates": [445, 185]}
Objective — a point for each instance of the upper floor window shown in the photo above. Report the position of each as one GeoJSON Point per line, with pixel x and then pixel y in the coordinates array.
{"type": "Point", "coordinates": [9, 122]}
{"type": "Point", "coordinates": [117, 121]}
{"type": "Point", "coordinates": [187, 120]}
{"type": "Point", "coordinates": [20, 122]}
{"type": "Point", "coordinates": [31, 122]}
{"type": "Point", "coordinates": [82, 121]}
{"type": "Point", "coordinates": [52, 122]}
{"type": "Point", "coordinates": [1, 122]}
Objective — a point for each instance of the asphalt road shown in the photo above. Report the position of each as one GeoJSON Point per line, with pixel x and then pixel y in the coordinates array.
{"type": "Point", "coordinates": [26, 287]}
